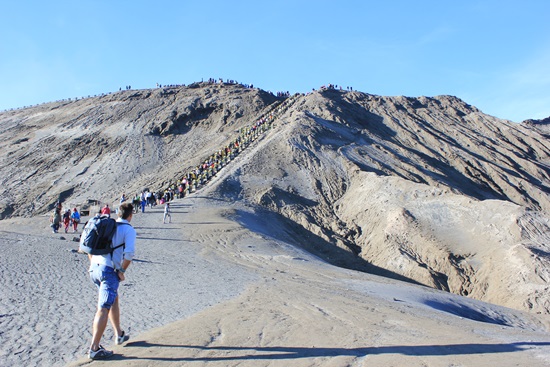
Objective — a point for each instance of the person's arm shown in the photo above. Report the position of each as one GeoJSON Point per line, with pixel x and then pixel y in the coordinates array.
{"type": "Point", "coordinates": [126, 264]}
{"type": "Point", "coordinates": [124, 267]}
{"type": "Point", "coordinates": [128, 255]}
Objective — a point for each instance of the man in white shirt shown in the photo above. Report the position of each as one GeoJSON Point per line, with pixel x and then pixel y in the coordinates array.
{"type": "Point", "coordinates": [106, 272]}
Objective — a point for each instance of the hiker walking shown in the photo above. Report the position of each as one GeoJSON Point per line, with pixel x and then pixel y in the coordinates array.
{"type": "Point", "coordinates": [67, 219]}
{"type": "Point", "coordinates": [148, 201]}
{"type": "Point", "coordinates": [136, 203]}
{"type": "Point", "coordinates": [167, 214]}
{"type": "Point", "coordinates": [106, 272]}
{"type": "Point", "coordinates": [55, 219]}
{"type": "Point", "coordinates": [143, 202]}
{"type": "Point", "coordinates": [75, 217]}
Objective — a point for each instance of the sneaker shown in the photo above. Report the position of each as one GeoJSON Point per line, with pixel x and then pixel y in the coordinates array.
{"type": "Point", "coordinates": [121, 339]}
{"type": "Point", "coordinates": [101, 353]}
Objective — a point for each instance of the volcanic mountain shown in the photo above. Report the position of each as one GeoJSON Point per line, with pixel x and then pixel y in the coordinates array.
{"type": "Point", "coordinates": [429, 190]}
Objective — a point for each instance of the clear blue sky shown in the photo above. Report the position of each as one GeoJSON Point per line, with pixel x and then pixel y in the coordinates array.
{"type": "Point", "coordinates": [494, 54]}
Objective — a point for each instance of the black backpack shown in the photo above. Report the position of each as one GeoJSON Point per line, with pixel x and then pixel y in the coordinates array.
{"type": "Point", "coordinates": [97, 236]}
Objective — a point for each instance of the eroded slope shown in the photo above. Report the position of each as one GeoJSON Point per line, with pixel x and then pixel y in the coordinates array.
{"type": "Point", "coordinates": [429, 189]}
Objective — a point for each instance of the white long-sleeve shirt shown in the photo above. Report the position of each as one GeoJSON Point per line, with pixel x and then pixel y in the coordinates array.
{"type": "Point", "coordinates": [126, 234]}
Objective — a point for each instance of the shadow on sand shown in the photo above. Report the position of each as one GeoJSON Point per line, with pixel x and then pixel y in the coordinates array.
{"type": "Point", "coordinates": [280, 228]}
{"type": "Point", "coordinates": [280, 353]}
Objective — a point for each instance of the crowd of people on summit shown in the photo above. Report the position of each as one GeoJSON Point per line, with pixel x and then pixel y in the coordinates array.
{"type": "Point", "coordinates": [334, 86]}
{"type": "Point", "coordinates": [221, 81]}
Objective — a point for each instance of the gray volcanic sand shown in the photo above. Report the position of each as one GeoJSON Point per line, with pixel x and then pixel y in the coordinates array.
{"type": "Point", "coordinates": [215, 288]}
{"type": "Point", "coordinates": [48, 302]}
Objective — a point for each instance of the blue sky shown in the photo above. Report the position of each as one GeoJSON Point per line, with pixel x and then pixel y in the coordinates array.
{"type": "Point", "coordinates": [493, 54]}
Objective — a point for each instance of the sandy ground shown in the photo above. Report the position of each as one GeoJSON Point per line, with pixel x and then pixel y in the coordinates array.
{"type": "Point", "coordinates": [215, 288]}
{"type": "Point", "coordinates": [47, 301]}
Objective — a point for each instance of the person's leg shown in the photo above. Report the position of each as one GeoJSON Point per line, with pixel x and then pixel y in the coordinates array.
{"type": "Point", "coordinates": [100, 322]}
{"type": "Point", "coordinates": [114, 317]}
{"type": "Point", "coordinates": [107, 282]}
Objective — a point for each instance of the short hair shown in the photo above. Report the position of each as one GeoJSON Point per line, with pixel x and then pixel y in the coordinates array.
{"type": "Point", "coordinates": [125, 210]}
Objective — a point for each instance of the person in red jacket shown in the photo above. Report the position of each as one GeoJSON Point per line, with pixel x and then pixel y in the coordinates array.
{"type": "Point", "coordinates": [106, 210]}
{"type": "Point", "coordinates": [67, 219]}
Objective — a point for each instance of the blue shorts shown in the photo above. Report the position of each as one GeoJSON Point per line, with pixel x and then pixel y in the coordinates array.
{"type": "Point", "coordinates": [106, 280]}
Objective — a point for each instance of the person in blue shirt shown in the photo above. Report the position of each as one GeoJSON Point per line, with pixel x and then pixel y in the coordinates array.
{"type": "Point", "coordinates": [75, 218]}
